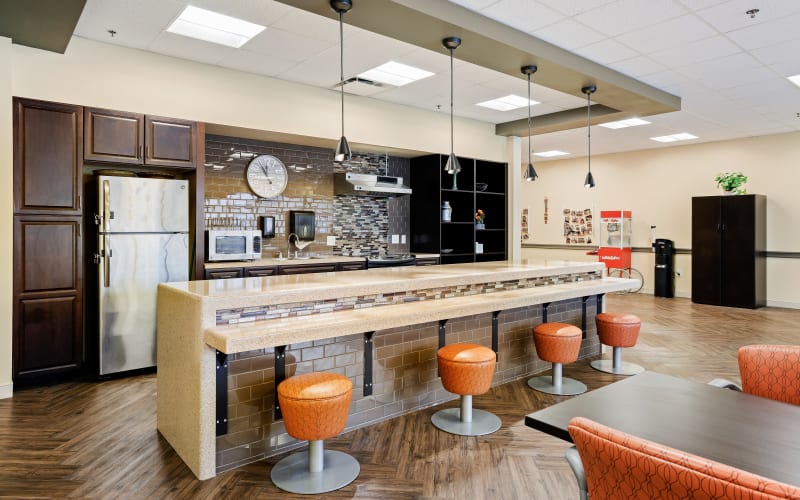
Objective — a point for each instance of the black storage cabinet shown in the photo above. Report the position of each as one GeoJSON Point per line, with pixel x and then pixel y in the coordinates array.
{"type": "Point", "coordinates": [665, 268]}
{"type": "Point", "coordinates": [729, 239]}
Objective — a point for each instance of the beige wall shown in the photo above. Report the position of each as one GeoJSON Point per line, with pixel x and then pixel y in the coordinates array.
{"type": "Point", "coordinates": [657, 185]}
{"type": "Point", "coordinates": [6, 217]}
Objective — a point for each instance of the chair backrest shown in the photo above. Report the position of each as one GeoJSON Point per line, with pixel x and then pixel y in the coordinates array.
{"type": "Point", "coordinates": [619, 465]}
{"type": "Point", "coordinates": [771, 371]}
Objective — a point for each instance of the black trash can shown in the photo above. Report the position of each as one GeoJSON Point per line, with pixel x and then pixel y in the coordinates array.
{"type": "Point", "coordinates": [665, 268]}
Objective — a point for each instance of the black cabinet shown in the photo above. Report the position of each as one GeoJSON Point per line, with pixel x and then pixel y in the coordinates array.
{"type": "Point", "coordinates": [481, 185]}
{"type": "Point", "coordinates": [729, 250]}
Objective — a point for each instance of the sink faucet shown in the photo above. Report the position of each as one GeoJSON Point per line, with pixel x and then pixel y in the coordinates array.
{"type": "Point", "coordinates": [289, 245]}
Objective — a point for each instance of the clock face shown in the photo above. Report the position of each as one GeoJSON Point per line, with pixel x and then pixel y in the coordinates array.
{"type": "Point", "coordinates": [266, 176]}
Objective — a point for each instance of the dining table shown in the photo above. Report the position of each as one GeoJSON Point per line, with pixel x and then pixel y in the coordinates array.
{"type": "Point", "coordinates": [751, 433]}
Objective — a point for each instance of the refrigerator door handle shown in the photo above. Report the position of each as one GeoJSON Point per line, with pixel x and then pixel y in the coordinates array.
{"type": "Point", "coordinates": [106, 204]}
{"type": "Point", "coordinates": [106, 263]}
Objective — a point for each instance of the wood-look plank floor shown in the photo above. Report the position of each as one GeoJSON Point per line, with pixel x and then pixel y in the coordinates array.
{"type": "Point", "coordinates": [99, 440]}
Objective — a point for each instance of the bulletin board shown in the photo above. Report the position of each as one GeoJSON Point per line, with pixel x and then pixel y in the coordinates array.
{"type": "Point", "coordinates": [578, 226]}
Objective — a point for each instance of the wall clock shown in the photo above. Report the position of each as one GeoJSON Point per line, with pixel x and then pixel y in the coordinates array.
{"type": "Point", "coordinates": [266, 176]}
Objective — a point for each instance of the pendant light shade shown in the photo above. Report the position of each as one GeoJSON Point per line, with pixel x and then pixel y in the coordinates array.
{"type": "Point", "coordinates": [452, 166]}
{"type": "Point", "coordinates": [588, 183]}
{"type": "Point", "coordinates": [342, 153]}
{"type": "Point", "coordinates": [530, 174]}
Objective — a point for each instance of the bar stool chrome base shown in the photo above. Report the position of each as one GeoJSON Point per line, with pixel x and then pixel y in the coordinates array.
{"type": "Point", "coordinates": [292, 473]}
{"type": "Point", "coordinates": [607, 366]}
{"type": "Point", "coordinates": [568, 386]}
{"type": "Point", "coordinates": [449, 420]}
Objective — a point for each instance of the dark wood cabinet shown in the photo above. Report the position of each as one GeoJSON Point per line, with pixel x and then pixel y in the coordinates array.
{"type": "Point", "coordinates": [729, 250]}
{"type": "Point", "coordinates": [230, 272]}
{"type": "Point", "coordinates": [121, 137]}
{"type": "Point", "coordinates": [48, 157]}
{"type": "Point", "coordinates": [428, 261]}
{"type": "Point", "coordinates": [251, 272]}
{"type": "Point", "coordinates": [480, 185]}
{"type": "Point", "coordinates": [307, 268]}
{"type": "Point", "coordinates": [48, 290]}
{"type": "Point", "coordinates": [351, 266]}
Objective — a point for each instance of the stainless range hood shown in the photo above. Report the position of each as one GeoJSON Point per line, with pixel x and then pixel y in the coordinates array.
{"type": "Point", "coordinates": [369, 185]}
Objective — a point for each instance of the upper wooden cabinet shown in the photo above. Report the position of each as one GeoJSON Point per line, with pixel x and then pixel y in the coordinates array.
{"type": "Point", "coordinates": [48, 158]}
{"type": "Point", "coordinates": [131, 138]}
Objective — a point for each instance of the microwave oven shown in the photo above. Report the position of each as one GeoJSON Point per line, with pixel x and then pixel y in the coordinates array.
{"type": "Point", "coordinates": [232, 244]}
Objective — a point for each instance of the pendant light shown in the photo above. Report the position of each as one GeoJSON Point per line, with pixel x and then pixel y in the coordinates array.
{"type": "Point", "coordinates": [342, 153]}
{"type": "Point", "coordinates": [452, 166]}
{"type": "Point", "coordinates": [588, 183]}
{"type": "Point", "coordinates": [530, 174]}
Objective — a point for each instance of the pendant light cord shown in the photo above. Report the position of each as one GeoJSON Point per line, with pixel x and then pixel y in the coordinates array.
{"type": "Point", "coordinates": [589, 126]}
{"type": "Point", "coordinates": [530, 145]}
{"type": "Point", "coordinates": [341, 63]}
{"type": "Point", "coordinates": [452, 145]}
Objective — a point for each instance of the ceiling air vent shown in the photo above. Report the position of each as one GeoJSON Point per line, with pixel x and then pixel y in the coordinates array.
{"type": "Point", "coordinates": [360, 86]}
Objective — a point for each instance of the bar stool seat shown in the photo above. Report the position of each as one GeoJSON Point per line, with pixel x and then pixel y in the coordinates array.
{"type": "Point", "coordinates": [315, 407]}
{"type": "Point", "coordinates": [557, 343]}
{"type": "Point", "coordinates": [467, 370]}
{"type": "Point", "coordinates": [617, 330]}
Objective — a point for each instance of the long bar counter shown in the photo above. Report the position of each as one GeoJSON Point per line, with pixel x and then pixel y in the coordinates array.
{"type": "Point", "coordinates": [258, 330]}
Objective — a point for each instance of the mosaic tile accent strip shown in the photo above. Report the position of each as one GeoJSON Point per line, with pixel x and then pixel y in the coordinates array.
{"type": "Point", "coordinates": [362, 224]}
{"type": "Point", "coordinates": [250, 314]}
{"type": "Point", "coordinates": [404, 374]}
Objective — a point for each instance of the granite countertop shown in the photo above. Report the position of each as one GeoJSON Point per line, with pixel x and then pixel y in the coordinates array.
{"type": "Point", "coordinates": [248, 292]}
{"type": "Point", "coordinates": [317, 259]}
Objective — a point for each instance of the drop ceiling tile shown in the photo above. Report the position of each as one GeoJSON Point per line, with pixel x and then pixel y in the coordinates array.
{"type": "Point", "coordinates": [696, 51]}
{"type": "Point", "coordinates": [289, 46]}
{"type": "Point", "coordinates": [766, 34]}
{"type": "Point", "coordinates": [786, 69]}
{"type": "Point", "coordinates": [731, 15]}
{"type": "Point", "coordinates": [701, 4]}
{"type": "Point", "coordinates": [568, 34]}
{"type": "Point", "coordinates": [621, 16]}
{"type": "Point", "coordinates": [523, 15]}
{"type": "Point", "coordinates": [263, 12]}
{"type": "Point", "coordinates": [189, 48]}
{"type": "Point", "coordinates": [368, 50]}
{"type": "Point", "coordinates": [311, 25]}
{"type": "Point", "coordinates": [780, 53]}
{"type": "Point", "coordinates": [637, 67]}
{"type": "Point", "coordinates": [253, 62]}
{"type": "Point", "coordinates": [474, 4]}
{"type": "Point", "coordinates": [774, 90]}
{"type": "Point", "coordinates": [574, 8]}
{"type": "Point", "coordinates": [137, 24]}
{"type": "Point", "coordinates": [677, 31]}
{"type": "Point", "coordinates": [607, 51]}
{"type": "Point", "coordinates": [321, 70]}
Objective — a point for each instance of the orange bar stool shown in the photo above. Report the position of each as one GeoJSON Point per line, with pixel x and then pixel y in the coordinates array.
{"type": "Point", "coordinates": [557, 343]}
{"type": "Point", "coordinates": [467, 370]}
{"type": "Point", "coordinates": [315, 407]}
{"type": "Point", "coordinates": [617, 330]}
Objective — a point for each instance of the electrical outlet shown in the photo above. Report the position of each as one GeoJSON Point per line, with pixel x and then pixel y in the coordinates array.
{"type": "Point", "coordinates": [331, 241]}
{"type": "Point", "coordinates": [403, 239]}
{"type": "Point", "coordinates": [395, 239]}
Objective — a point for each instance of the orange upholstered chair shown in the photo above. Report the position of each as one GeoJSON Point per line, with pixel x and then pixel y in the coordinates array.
{"type": "Point", "coordinates": [771, 371]}
{"type": "Point", "coordinates": [466, 370]}
{"type": "Point", "coordinates": [617, 330]}
{"type": "Point", "coordinates": [315, 407]}
{"type": "Point", "coordinates": [557, 343]}
{"type": "Point", "coordinates": [618, 465]}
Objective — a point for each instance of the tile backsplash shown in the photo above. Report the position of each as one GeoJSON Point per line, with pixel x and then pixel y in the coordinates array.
{"type": "Point", "coordinates": [362, 225]}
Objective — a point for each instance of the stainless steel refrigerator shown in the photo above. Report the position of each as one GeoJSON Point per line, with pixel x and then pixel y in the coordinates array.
{"type": "Point", "coordinates": [143, 241]}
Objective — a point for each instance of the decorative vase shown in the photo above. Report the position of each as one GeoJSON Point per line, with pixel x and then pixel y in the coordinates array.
{"type": "Point", "coordinates": [447, 211]}
{"type": "Point", "coordinates": [480, 225]}
{"type": "Point", "coordinates": [729, 193]}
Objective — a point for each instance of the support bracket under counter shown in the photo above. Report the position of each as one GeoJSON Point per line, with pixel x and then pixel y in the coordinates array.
{"type": "Point", "coordinates": [222, 393]}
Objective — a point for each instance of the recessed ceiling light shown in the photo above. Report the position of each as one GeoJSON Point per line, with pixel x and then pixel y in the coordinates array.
{"type": "Point", "coordinates": [507, 103]}
{"type": "Point", "coordinates": [683, 136]}
{"type": "Point", "coordinates": [394, 73]}
{"type": "Point", "coordinates": [213, 27]}
{"type": "Point", "coordinates": [549, 154]}
{"type": "Point", "coordinates": [630, 122]}
{"type": "Point", "coordinates": [794, 79]}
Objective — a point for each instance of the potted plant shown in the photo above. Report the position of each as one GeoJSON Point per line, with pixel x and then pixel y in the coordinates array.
{"type": "Point", "coordinates": [731, 182]}
{"type": "Point", "coordinates": [479, 218]}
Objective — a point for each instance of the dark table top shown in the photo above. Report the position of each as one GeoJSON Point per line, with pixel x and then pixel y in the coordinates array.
{"type": "Point", "coordinates": [754, 434]}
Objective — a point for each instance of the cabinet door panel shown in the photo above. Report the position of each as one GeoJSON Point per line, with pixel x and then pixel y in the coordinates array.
{"type": "Point", "coordinates": [113, 136]}
{"type": "Point", "coordinates": [47, 157]}
{"type": "Point", "coordinates": [308, 268]}
{"type": "Point", "coordinates": [218, 274]}
{"type": "Point", "coordinates": [352, 266]}
{"type": "Point", "coordinates": [252, 272]}
{"type": "Point", "coordinates": [48, 338]}
{"type": "Point", "coordinates": [739, 252]}
{"type": "Point", "coordinates": [169, 142]}
{"type": "Point", "coordinates": [706, 250]}
{"type": "Point", "coordinates": [48, 258]}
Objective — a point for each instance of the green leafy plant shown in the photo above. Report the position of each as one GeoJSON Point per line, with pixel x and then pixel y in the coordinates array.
{"type": "Point", "coordinates": [731, 181]}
